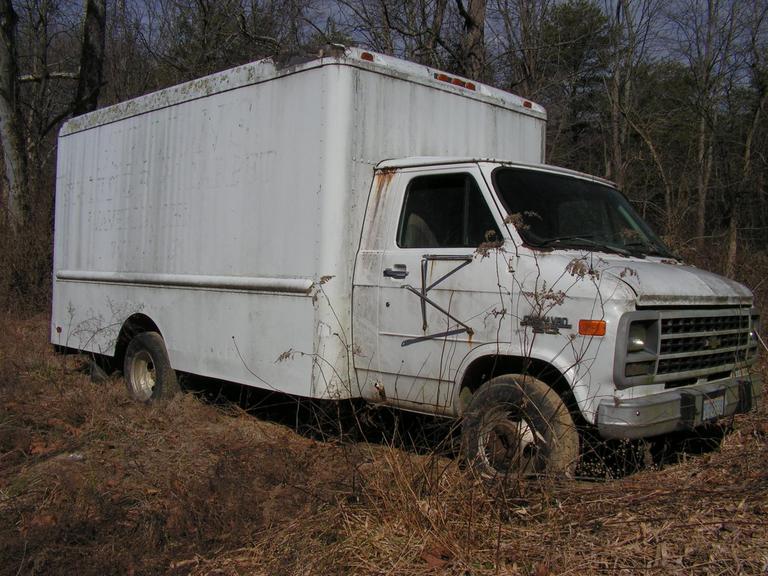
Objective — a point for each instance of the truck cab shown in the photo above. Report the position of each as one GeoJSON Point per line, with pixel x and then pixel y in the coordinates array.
{"type": "Point", "coordinates": [477, 280]}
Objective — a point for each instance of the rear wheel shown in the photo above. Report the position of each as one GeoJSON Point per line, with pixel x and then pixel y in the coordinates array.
{"type": "Point", "coordinates": [519, 425]}
{"type": "Point", "coordinates": [147, 369]}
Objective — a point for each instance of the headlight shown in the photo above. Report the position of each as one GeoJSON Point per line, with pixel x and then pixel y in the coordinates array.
{"type": "Point", "coordinates": [637, 349]}
{"type": "Point", "coordinates": [637, 338]}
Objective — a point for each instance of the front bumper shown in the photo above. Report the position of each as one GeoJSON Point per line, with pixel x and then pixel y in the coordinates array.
{"type": "Point", "coordinates": [682, 408]}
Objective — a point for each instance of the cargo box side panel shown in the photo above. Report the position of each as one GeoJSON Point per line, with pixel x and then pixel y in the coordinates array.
{"type": "Point", "coordinates": [396, 119]}
{"type": "Point", "coordinates": [220, 195]}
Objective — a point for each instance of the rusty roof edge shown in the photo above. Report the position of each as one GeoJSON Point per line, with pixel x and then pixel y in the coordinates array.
{"type": "Point", "coordinates": [426, 75]}
{"type": "Point", "coordinates": [224, 81]}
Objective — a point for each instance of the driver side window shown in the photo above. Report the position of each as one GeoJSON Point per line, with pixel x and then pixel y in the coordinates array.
{"type": "Point", "coordinates": [445, 211]}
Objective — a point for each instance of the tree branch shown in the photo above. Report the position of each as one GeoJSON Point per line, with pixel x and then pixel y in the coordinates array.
{"type": "Point", "coordinates": [51, 76]}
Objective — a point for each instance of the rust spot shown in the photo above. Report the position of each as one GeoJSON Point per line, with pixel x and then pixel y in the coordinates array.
{"type": "Point", "coordinates": [382, 179]}
{"type": "Point", "coordinates": [470, 335]}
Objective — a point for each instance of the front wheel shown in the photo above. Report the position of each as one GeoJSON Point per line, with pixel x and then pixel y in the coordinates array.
{"type": "Point", "coordinates": [147, 369]}
{"type": "Point", "coordinates": [519, 425]}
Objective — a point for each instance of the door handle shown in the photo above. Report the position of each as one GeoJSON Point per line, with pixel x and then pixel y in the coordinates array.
{"type": "Point", "coordinates": [398, 271]}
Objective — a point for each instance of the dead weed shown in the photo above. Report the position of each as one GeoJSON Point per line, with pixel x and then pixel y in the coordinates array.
{"type": "Point", "coordinates": [92, 483]}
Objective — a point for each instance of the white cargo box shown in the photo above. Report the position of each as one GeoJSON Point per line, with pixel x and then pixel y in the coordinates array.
{"type": "Point", "coordinates": [228, 211]}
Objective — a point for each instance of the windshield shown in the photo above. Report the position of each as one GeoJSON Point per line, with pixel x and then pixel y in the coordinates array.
{"type": "Point", "coordinates": [554, 210]}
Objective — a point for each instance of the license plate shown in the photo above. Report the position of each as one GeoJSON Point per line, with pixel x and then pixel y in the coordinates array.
{"type": "Point", "coordinates": [713, 407]}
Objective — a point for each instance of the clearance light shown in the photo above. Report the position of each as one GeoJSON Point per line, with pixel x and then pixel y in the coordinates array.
{"type": "Point", "coordinates": [455, 81]}
{"type": "Point", "coordinates": [527, 104]}
{"type": "Point", "coordinates": [366, 56]}
{"type": "Point", "coordinates": [592, 327]}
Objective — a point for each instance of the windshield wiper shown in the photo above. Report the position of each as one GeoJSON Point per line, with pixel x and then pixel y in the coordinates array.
{"type": "Point", "coordinates": [580, 241]}
{"type": "Point", "coordinates": [652, 249]}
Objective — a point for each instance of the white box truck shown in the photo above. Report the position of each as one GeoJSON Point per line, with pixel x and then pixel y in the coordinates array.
{"type": "Point", "coordinates": [362, 227]}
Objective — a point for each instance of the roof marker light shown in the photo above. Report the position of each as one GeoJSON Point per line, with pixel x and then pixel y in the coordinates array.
{"type": "Point", "coordinates": [454, 81]}
{"type": "Point", "coordinates": [527, 104]}
{"type": "Point", "coordinates": [366, 56]}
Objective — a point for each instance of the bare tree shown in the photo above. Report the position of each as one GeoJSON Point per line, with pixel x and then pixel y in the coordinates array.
{"type": "Point", "coordinates": [372, 22]}
{"type": "Point", "coordinates": [14, 157]}
{"type": "Point", "coordinates": [706, 41]}
{"type": "Point", "coordinates": [523, 46]}
{"type": "Point", "coordinates": [750, 179]}
{"type": "Point", "coordinates": [414, 30]}
{"type": "Point", "coordinates": [472, 47]}
{"type": "Point", "coordinates": [631, 26]}
{"type": "Point", "coordinates": [91, 57]}
{"type": "Point", "coordinates": [43, 39]}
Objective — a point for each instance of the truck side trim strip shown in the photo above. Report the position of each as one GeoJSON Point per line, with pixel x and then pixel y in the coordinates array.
{"type": "Point", "coordinates": [301, 286]}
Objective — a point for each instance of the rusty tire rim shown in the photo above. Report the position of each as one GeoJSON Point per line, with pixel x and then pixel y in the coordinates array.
{"type": "Point", "coordinates": [142, 375]}
{"type": "Point", "coordinates": [509, 443]}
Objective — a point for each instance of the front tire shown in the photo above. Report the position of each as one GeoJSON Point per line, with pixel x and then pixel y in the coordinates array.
{"type": "Point", "coordinates": [518, 425]}
{"type": "Point", "coordinates": [147, 369]}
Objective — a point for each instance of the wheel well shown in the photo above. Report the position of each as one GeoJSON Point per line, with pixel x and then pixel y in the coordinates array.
{"type": "Point", "coordinates": [483, 369]}
{"type": "Point", "coordinates": [135, 324]}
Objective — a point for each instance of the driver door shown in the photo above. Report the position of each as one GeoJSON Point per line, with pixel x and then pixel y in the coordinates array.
{"type": "Point", "coordinates": [436, 294]}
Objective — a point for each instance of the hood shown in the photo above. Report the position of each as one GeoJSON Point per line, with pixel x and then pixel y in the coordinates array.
{"type": "Point", "coordinates": [659, 283]}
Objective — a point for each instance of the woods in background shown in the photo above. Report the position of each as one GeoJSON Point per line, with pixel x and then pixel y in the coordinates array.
{"type": "Point", "coordinates": [668, 99]}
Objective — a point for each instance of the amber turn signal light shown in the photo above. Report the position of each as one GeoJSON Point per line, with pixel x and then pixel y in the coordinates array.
{"type": "Point", "coordinates": [592, 327]}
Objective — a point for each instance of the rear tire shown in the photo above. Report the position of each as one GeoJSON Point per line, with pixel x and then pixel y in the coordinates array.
{"type": "Point", "coordinates": [520, 426]}
{"type": "Point", "coordinates": [147, 369]}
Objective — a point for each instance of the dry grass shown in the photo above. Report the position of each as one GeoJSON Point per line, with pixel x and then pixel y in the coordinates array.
{"type": "Point", "coordinates": [91, 483]}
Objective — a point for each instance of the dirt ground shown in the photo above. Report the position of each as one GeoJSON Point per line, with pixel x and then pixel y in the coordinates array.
{"type": "Point", "coordinates": [93, 483]}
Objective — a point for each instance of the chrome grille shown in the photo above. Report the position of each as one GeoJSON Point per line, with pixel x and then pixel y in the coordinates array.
{"type": "Point", "coordinates": [703, 342]}
{"type": "Point", "coordinates": [697, 343]}
{"type": "Point", "coordinates": [687, 345]}
{"type": "Point", "coordinates": [704, 324]}
{"type": "Point", "coordinates": [707, 361]}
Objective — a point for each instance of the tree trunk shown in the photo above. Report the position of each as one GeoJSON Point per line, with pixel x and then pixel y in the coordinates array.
{"type": "Point", "coordinates": [530, 38]}
{"type": "Point", "coordinates": [14, 159]}
{"type": "Point", "coordinates": [622, 63]}
{"type": "Point", "coordinates": [742, 190]}
{"type": "Point", "coordinates": [617, 159]}
{"type": "Point", "coordinates": [733, 240]}
{"type": "Point", "coordinates": [435, 31]}
{"type": "Point", "coordinates": [704, 166]}
{"type": "Point", "coordinates": [473, 40]}
{"type": "Point", "coordinates": [653, 149]}
{"type": "Point", "coordinates": [91, 57]}
{"type": "Point", "coordinates": [386, 28]}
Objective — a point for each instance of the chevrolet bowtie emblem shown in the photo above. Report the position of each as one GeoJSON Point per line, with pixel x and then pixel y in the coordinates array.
{"type": "Point", "coordinates": [713, 343]}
